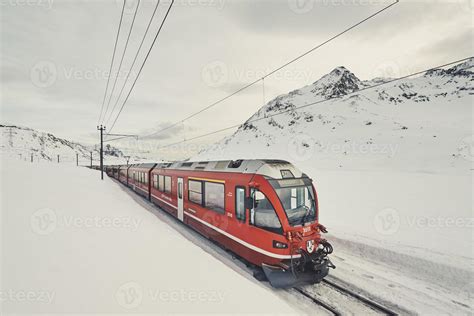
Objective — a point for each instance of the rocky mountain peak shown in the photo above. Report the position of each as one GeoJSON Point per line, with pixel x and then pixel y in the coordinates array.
{"type": "Point", "coordinates": [338, 82]}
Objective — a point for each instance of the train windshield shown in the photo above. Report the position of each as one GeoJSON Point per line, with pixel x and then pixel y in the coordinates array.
{"type": "Point", "coordinates": [297, 198]}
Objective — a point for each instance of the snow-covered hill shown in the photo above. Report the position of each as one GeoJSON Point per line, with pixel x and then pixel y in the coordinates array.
{"type": "Point", "coordinates": [392, 164]}
{"type": "Point", "coordinates": [24, 141]}
{"type": "Point", "coordinates": [416, 124]}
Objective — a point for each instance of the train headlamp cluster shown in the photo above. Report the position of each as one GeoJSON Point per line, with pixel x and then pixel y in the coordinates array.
{"type": "Point", "coordinates": [279, 245]}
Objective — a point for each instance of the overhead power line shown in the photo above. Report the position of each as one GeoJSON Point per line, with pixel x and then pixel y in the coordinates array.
{"type": "Point", "coordinates": [273, 71]}
{"type": "Point", "coordinates": [121, 60]}
{"type": "Point", "coordinates": [322, 101]}
{"type": "Point", "coordinates": [143, 64]}
{"type": "Point", "coordinates": [111, 63]}
{"type": "Point", "coordinates": [134, 60]}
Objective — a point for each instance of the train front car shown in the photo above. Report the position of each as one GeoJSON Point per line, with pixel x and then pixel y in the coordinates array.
{"type": "Point", "coordinates": [281, 188]}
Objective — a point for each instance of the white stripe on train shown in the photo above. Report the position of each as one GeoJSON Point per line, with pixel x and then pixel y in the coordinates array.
{"type": "Point", "coordinates": [240, 241]}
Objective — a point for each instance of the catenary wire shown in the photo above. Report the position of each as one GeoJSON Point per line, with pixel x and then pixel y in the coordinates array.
{"type": "Point", "coordinates": [111, 64]}
{"type": "Point", "coordinates": [141, 68]}
{"type": "Point", "coordinates": [272, 72]}
{"type": "Point", "coordinates": [321, 101]}
{"type": "Point", "coordinates": [134, 60]}
{"type": "Point", "coordinates": [121, 60]}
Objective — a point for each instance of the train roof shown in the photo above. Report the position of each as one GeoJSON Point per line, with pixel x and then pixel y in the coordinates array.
{"type": "Point", "coordinates": [276, 169]}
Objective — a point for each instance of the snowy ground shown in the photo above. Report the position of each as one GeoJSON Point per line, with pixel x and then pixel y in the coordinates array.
{"type": "Point", "coordinates": [105, 252]}
{"type": "Point", "coordinates": [74, 244]}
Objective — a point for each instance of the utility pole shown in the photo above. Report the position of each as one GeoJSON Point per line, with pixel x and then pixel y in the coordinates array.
{"type": "Point", "coordinates": [10, 137]}
{"type": "Point", "coordinates": [31, 157]}
{"type": "Point", "coordinates": [91, 159]}
{"type": "Point", "coordinates": [128, 159]}
{"type": "Point", "coordinates": [58, 158]}
{"type": "Point", "coordinates": [77, 159]}
{"type": "Point", "coordinates": [101, 128]}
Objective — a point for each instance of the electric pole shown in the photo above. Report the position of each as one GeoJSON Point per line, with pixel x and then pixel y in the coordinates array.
{"type": "Point", "coordinates": [58, 158]}
{"type": "Point", "coordinates": [128, 159]}
{"type": "Point", "coordinates": [31, 157]}
{"type": "Point", "coordinates": [10, 137]}
{"type": "Point", "coordinates": [77, 159]}
{"type": "Point", "coordinates": [91, 159]}
{"type": "Point", "coordinates": [101, 128]}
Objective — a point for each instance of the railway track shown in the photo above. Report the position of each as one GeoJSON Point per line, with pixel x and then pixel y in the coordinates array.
{"type": "Point", "coordinates": [338, 304]}
{"type": "Point", "coordinates": [334, 307]}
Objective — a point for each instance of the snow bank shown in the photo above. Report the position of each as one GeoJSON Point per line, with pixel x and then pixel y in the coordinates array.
{"type": "Point", "coordinates": [75, 244]}
{"type": "Point", "coordinates": [406, 212]}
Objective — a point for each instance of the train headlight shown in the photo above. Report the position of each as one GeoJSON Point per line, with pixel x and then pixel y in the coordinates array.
{"type": "Point", "coordinates": [279, 245]}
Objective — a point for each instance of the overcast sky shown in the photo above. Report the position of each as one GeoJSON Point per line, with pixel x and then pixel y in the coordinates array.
{"type": "Point", "coordinates": [55, 57]}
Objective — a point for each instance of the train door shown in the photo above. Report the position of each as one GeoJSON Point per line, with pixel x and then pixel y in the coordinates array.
{"type": "Point", "coordinates": [180, 200]}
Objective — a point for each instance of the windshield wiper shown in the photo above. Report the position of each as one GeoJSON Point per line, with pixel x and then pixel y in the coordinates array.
{"type": "Point", "coordinates": [308, 212]}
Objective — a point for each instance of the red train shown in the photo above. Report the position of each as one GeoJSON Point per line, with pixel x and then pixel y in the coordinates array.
{"type": "Point", "coordinates": [265, 211]}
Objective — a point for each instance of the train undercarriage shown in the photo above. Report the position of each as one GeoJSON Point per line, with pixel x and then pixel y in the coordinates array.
{"type": "Point", "coordinates": [307, 268]}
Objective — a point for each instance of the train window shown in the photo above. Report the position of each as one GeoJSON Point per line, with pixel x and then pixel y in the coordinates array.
{"type": "Point", "coordinates": [263, 214]}
{"type": "Point", "coordinates": [195, 191]}
{"type": "Point", "coordinates": [240, 203]}
{"type": "Point", "coordinates": [155, 181]}
{"type": "Point", "coordinates": [161, 183]}
{"type": "Point", "coordinates": [146, 178]}
{"type": "Point", "coordinates": [167, 184]}
{"type": "Point", "coordinates": [214, 196]}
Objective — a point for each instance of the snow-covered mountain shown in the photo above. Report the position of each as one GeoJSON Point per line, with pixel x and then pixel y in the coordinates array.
{"type": "Point", "coordinates": [421, 124]}
{"type": "Point", "coordinates": [24, 141]}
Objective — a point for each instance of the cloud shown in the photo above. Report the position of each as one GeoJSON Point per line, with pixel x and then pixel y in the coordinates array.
{"type": "Point", "coordinates": [443, 48]}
